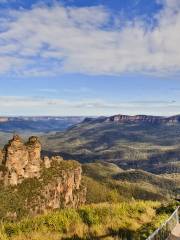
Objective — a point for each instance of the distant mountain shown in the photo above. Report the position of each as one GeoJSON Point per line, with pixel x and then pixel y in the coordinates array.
{"type": "Point", "coordinates": [136, 119]}
{"type": "Point", "coordinates": [146, 142]}
{"type": "Point", "coordinates": [45, 124]}
{"type": "Point", "coordinates": [37, 124]}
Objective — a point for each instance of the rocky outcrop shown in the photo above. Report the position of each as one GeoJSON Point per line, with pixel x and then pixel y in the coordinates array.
{"type": "Point", "coordinates": [65, 190]}
{"type": "Point", "coordinates": [143, 119]}
{"type": "Point", "coordinates": [22, 160]}
{"type": "Point", "coordinates": [33, 147]}
{"type": "Point", "coordinates": [50, 183]}
{"type": "Point", "coordinates": [135, 119]}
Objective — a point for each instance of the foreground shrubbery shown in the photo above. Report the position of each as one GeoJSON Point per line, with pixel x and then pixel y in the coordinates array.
{"type": "Point", "coordinates": [111, 211]}
{"type": "Point", "coordinates": [96, 221]}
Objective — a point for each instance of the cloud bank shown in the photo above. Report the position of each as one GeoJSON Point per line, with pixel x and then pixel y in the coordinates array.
{"type": "Point", "coordinates": [90, 40]}
{"type": "Point", "coordinates": [14, 105]}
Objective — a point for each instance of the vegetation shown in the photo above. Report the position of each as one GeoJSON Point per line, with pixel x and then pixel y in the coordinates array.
{"type": "Point", "coordinates": [19, 200]}
{"type": "Point", "coordinates": [107, 182]}
{"type": "Point", "coordinates": [56, 170]}
{"type": "Point", "coordinates": [95, 221]}
{"type": "Point", "coordinates": [112, 211]}
{"type": "Point", "coordinates": [119, 201]}
{"type": "Point", "coordinates": [151, 147]}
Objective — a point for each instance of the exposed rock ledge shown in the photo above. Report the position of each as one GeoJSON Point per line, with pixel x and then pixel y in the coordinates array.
{"type": "Point", "coordinates": [50, 183]}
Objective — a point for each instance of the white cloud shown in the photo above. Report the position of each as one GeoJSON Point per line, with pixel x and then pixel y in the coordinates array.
{"type": "Point", "coordinates": [51, 40]}
{"type": "Point", "coordinates": [172, 4]}
{"type": "Point", "coordinates": [47, 90]}
{"type": "Point", "coordinates": [10, 105]}
{"type": "Point", "coordinates": [81, 90]}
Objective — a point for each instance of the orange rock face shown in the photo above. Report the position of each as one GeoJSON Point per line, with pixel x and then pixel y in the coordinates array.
{"type": "Point", "coordinates": [22, 160]}
{"type": "Point", "coordinates": [59, 180]}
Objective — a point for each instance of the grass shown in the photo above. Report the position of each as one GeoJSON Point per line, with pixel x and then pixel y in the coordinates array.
{"type": "Point", "coordinates": [100, 170]}
{"type": "Point", "coordinates": [94, 221]}
{"type": "Point", "coordinates": [98, 192]}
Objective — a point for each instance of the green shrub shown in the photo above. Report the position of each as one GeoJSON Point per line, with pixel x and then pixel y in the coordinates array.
{"type": "Point", "coordinates": [136, 218]}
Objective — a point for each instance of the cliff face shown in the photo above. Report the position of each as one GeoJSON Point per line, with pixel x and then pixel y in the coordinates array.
{"type": "Point", "coordinates": [143, 118]}
{"type": "Point", "coordinates": [62, 191]}
{"type": "Point", "coordinates": [135, 119]}
{"type": "Point", "coordinates": [47, 183]}
{"type": "Point", "coordinates": [21, 160]}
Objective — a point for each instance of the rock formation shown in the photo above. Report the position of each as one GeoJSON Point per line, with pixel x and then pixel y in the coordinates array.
{"type": "Point", "coordinates": [135, 119]}
{"type": "Point", "coordinates": [64, 191]}
{"type": "Point", "coordinates": [21, 160]}
{"type": "Point", "coordinates": [57, 182]}
{"type": "Point", "coordinates": [143, 119]}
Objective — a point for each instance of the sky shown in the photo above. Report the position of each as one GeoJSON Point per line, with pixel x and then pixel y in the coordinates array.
{"type": "Point", "coordinates": [89, 57]}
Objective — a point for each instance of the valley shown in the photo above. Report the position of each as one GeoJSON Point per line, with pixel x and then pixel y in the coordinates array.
{"type": "Point", "coordinates": [84, 176]}
{"type": "Point", "coordinates": [37, 124]}
{"type": "Point", "coordinates": [150, 146]}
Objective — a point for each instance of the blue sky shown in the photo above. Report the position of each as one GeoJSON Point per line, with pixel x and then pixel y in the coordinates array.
{"type": "Point", "coordinates": [89, 57]}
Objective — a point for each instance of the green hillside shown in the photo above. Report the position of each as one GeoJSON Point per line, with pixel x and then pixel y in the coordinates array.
{"type": "Point", "coordinates": [151, 147]}
{"type": "Point", "coordinates": [107, 182]}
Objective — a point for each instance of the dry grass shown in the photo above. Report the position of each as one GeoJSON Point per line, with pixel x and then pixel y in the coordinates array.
{"type": "Point", "coordinates": [88, 222]}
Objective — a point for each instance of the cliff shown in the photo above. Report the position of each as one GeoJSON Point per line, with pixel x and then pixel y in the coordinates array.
{"type": "Point", "coordinates": [143, 119]}
{"type": "Point", "coordinates": [38, 185]}
{"type": "Point", "coordinates": [120, 118]}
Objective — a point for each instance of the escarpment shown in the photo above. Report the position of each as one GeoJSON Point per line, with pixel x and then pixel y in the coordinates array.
{"type": "Point", "coordinates": [39, 184]}
{"type": "Point", "coordinates": [143, 119]}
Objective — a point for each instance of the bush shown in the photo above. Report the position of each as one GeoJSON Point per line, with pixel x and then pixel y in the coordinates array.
{"type": "Point", "coordinates": [133, 219]}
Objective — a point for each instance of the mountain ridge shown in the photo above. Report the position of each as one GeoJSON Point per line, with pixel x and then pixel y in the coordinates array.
{"type": "Point", "coordinates": [37, 124]}
{"type": "Point", "coordinates": [121, 118]}
{"type": "Point", "coordinates": [142, 143]}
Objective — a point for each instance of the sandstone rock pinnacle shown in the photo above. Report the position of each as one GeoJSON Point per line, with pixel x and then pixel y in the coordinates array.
{"type": "Point", "coordinates": [22, 160]}
{"type": "Point", "coordinates": [58, 182]}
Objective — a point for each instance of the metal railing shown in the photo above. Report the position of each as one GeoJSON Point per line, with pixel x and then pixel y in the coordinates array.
{"type": "Point", "coordinates": [164, 231]}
